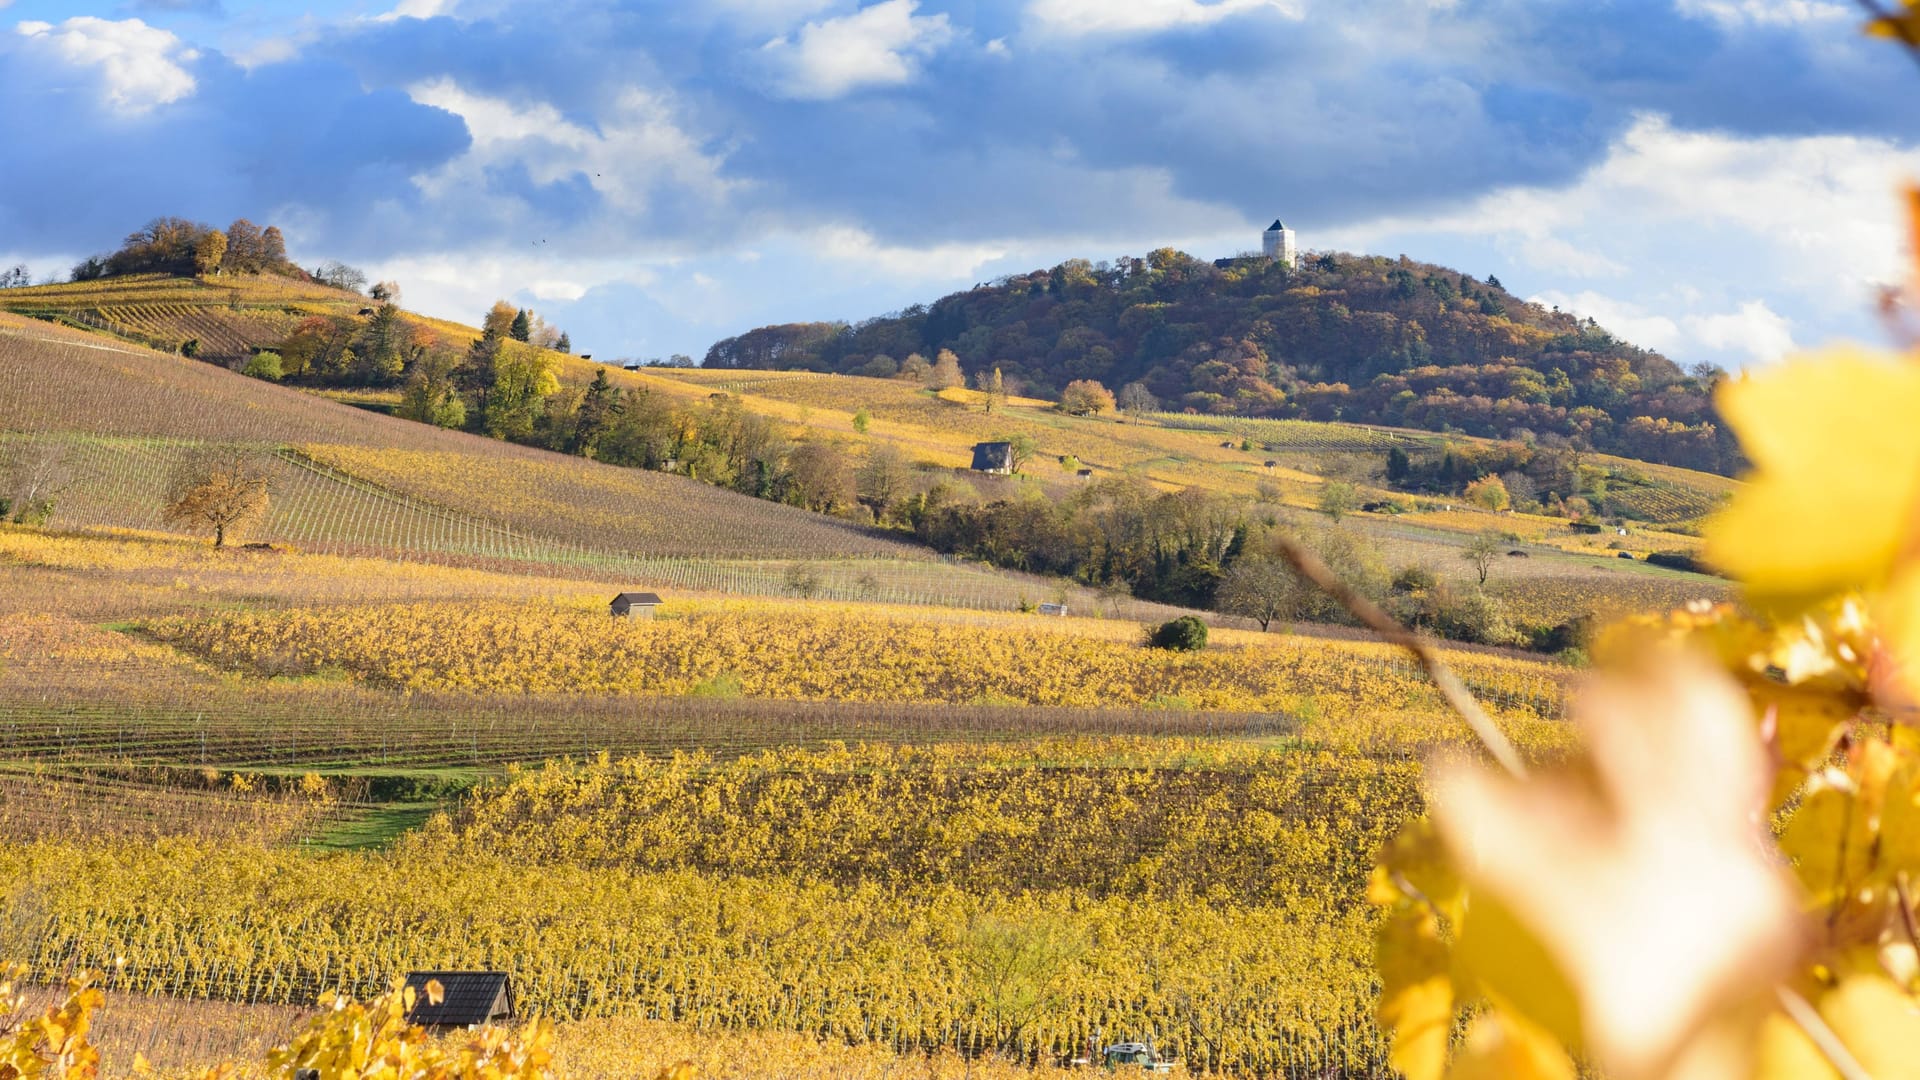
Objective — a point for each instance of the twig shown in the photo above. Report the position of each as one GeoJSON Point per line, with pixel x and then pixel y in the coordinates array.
{"type": "Point", "coordinates": [1822, 1036]}
{"type": "Point", "coordinates": [1452, 690]}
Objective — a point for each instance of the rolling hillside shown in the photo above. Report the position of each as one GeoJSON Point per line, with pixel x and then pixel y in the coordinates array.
{"type": "Point", "coordinates": [112, 420]}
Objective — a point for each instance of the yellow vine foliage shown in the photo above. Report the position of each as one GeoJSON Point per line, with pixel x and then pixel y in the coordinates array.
{"type": "Point", "coordinates": [1633, 909]}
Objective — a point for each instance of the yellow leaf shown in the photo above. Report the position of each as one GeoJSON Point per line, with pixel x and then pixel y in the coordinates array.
{"type": "Point", "coordinates": [1878, 1023]}
{"type": "Point", "coordinates": [1829, 842]}
{"type": "Point", "coordinates": [1784, 1052]}
{"type": "Point", "coordinates": [1836, 456]}
{"type": "Point", "coordinates": [1500, 1046]}
{"type": "Point", "coordinates": [1646, 880]}
{"type": "Point", "coordinates": [1509, 961]}
{"type": "Point", "coordinates": [1416, 994]}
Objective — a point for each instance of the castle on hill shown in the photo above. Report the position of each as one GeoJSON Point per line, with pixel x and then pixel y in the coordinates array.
{"type": "Point", "coordinates": [1277, 244]}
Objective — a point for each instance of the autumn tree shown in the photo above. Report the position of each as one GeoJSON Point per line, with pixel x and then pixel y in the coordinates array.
{"type": "Point", "coordinates": [384, 347]}
{"type": "Point", "coordinates": [884, 479]}
{"type": "Point", "coordinates": [209, 252]}
{"type": "Point", "coordinates": [523, 377]}
{"type": "Point", "coordinates": [598, 407]}
{"type": "Point", "coordinates": [36, 474]}
{"type": "Point", "coordinates": [817, 477]}
{"type": "Point", "coordinates": [217, 488]}
{"type": "Point", "coordinates": [1085, 397]}
{"type": "Point", "coordinates": [432, 396]}
{"type": "Point", "coordinates": [244, 248]}
{"type": "Point", "coordinates": [273, 250]}
{"type": "Point", "coordinates": [915, 369]}
{"type": "Point", "coordinates": [993, 390]}
{"type": "Point", "coordinates": [1489, 492]}
{"type": "Point", "coordinates": [946, 373]}
{"type": "Point", "coordinates": [1338, 499]}
{"type": "Point", "coordinates": [1481, 551]}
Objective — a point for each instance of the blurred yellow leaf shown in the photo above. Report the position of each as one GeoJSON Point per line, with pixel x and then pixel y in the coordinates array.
{"type": "Point", "coordinates": [1416, 993]}
{"type": "Point", "coordinates": [1648, 880]}
{"type": "Point", "coordinates": [1830, 841]}
{"type": "Point", "coordinates": [1500, 1046]}
{"type": "Point", "coordinates": [1878, 1024]}
{"type": "Point", "coordinates": [1836, 455]}
{"type": "Point", "coordinates": [1785, 1053]}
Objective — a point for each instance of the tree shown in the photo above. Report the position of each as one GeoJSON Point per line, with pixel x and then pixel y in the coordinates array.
{"type": "Point", "coordinates": [1481, 551]}
{"type": "Point", "coordinates": [1085, 397]}
{"type": "Point", "coordinates": [946, 372]}
{"type": "Point", "coordinates": [993, 390]}
{"type": "Point", "coordinates": [384, 346]}
{"type": "Point", "coordinates": [862, 419]}
{"type": "Point", "coordinates": [339, 275]}
{"type": "Point", "coordinates": [521, 328]}
{"type": "Point", "coordinates": [431, 396]}
{"type": "Point", "coordinates": [564, 343]}
{"type": "Point", "coordinates": [244, 248]}
{"type": "Point", "coordinates": [597, 410]}
{"type": "Point", "coordinates": [915, 369]}
{"type": "Point", "coordinates": [1490, 493]}
{"type": "Point", "coordinates": [17, 278]}
{"type": "Point", "coordinates": [210, 252]}
{"type": "Point", "coordinates": [273, 250]}
{"type": "Point", "coordinates": [1260, 587]}
{"type": "Point", "coordinates": [1135, 398]}
{"type": "Point", "coordinates": [386, 292]}
{"type": "Point", "coordinates": [1399, 466]}
{"type": "Point", "coordinates": [36, 474]}
{"type": "Point", "coordinates": [1184, 634]}
{"type": "Point", "coordinates": [1021, 449]}
{"type": "Point", "coordinates": [884, 479]}
{"type": "Point", "coordinates": [217, 488]}
{"type": "Point", "coordinates": [522, 380]}
{"type": "Point", "coordinates": [1338, 499]}
{"type": "Point", "coordinates": [817, 477]}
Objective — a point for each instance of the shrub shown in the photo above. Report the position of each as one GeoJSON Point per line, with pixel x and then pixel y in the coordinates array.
{"type": "Point", "coordinates": [264, 365]}
{"type": "Point", "coordinates": [1184, 634]}
{"type": "Point", "coordinates": [1415, 579]}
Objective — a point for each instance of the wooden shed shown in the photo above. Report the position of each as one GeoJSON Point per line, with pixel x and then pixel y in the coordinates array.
{"type": "Point", "coordinates": [993, 457]}
{"type": "Point", "coordinates": [467, 998]}
{"type": "Point", "coordinates": [634, 604]}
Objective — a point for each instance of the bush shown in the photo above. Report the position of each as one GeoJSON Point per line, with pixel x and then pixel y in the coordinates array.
{"type": "Point", "coordinates": [1677, 560]}
{"type": "Point", "coordinates": [264, 365]}
{"type": "Point", "coordinates": [1415, 579]}
{"type": "Point", "coordinates": [1184, 634]}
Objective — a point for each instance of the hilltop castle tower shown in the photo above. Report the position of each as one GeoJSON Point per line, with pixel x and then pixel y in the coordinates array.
{"type": "Point", "coordinates": [1277, 243]}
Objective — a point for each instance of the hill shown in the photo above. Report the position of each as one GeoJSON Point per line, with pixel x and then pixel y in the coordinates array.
{"type": "Point", "coordinates": [1362, 339]}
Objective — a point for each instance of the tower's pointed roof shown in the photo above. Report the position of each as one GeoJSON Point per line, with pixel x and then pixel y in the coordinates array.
{"type": "Point", "coordinates": [1276, 226]}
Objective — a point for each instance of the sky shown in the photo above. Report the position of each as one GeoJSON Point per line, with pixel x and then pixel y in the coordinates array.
{"type": "Point", "coordinates": [1715, 179]}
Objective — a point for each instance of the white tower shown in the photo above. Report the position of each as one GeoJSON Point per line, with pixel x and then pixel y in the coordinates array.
{"type": "Point", "coordinates": [1277, 244]}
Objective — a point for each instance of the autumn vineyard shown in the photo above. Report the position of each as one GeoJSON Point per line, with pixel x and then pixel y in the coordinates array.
{"type": "Point", "coordinates": [752, 721]}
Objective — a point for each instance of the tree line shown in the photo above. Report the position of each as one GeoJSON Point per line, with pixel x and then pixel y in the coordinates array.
{"type": "Point", "coordinates": [1340, 337]}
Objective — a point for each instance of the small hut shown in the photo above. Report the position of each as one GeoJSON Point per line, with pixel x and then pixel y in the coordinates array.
{"type": "Point", "coordinates": [629, 605]}
{"type": "Point", "coordinates": [993, 457]}
{"type": "Point", "coordinates": [467, 998]}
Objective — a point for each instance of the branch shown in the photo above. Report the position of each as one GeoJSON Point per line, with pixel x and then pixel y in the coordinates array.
{"type": "Point", "coordinates": [1822, 1036]}
{"type": "Point", "coordinates": [1452, 690]}
{"type": "Point", "coordinates": [1893, 21]}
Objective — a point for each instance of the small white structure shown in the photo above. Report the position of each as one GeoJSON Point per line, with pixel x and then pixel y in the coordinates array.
{"type": "Point", "coordinates": [1277, 243]}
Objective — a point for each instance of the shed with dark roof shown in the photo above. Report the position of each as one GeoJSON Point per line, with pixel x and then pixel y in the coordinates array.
{"type": "Point", "coordinates": [630, 604]}
{"type": "Point", "coordinates": [467, 998]}
{"type": "Point", "coordinates": [993, 457]}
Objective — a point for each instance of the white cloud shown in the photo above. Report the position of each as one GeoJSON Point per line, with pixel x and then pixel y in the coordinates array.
{"type": "Point", "coordinates": [1077, 17]}
{"type": "Point", "coordinates": [1752, 333]}
{"type": "Point", "coordinates": [418, 9]}
{"type": "Point", "coordinates": [875, 46]}
{"type": "Point", "coordinates": [1736, 13]}
{"type": "Point", "coordinates": [140, 66]}
{"type": "Point", "coordinates": [635, 150]}
{"type": "Point", "coordinates": [942, 262]}
{"type": "Point", "coordinates": [1755, 330]}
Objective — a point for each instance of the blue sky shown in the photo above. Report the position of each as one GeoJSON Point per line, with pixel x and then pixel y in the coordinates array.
{"type": "Point", "coordinates": [1712, 178]}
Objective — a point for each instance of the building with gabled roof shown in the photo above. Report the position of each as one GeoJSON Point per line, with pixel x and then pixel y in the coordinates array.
{"type": "Point", "coordinates": [467, 998]}
{"type": "Point", "coordinates": [629, 604]}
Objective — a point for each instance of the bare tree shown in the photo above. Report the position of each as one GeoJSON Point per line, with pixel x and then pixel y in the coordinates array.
{"type": "Point", "coordinates": [1261, 587]}
{"type": "Point", "coordinates": [217, 488]}
{"type": "Point", "coordinates": [36, 474]}
{"type": "Point", "coordinates": [1481, 551]}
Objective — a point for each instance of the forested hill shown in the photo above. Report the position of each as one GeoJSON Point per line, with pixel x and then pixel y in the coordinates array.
{"type": "Point", "coordinates": [1341, 337]}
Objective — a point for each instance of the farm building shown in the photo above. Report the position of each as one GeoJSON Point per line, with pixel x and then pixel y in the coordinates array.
{"type": "Point", "coordinates": [993, 457]}
{"type": "Point", "coordinates": [468, 998]}
{"type": "Point", "coordinates": [631, 604]}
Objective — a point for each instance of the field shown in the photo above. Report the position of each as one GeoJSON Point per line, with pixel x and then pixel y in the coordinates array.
{"type": "Point", "coordinates": [891, 827]}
